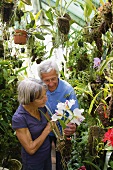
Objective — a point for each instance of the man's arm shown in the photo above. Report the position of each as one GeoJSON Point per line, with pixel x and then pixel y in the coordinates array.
{"type": "Point", "coordinates": [70, 129]}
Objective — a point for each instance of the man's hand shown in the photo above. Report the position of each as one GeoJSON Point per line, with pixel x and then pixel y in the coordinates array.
{"type": "Point", "coordinates": [70, 129]}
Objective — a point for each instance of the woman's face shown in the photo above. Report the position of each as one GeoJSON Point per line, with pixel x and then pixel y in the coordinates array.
{"type": "Point", "coordinates": [40, 102]}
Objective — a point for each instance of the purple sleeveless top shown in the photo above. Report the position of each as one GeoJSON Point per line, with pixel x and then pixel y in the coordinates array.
{"type": "Point", "coordinates": [22, 119]}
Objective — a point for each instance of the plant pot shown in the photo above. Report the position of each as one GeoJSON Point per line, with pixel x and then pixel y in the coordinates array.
{"type": "Point", "coordinates": [20, 37]}
{"type": "Point", "coordinates": [14, 164]}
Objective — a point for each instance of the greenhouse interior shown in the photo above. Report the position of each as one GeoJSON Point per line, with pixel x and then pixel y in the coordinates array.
{"type": "Point", "coordinates": [78, 36]}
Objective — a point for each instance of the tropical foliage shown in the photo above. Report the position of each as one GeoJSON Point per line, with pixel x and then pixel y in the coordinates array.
{"type": "Point", "coordinates": [87, 66]}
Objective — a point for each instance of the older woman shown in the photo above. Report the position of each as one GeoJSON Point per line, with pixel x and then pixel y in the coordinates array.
{"type": "Point", "coordinates": [31, 125]}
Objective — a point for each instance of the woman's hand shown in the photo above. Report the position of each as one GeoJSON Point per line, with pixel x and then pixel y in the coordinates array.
{"type": "Point", "coordinates": [50, 126]}
{"type": "Point", "coordinates": [70, 129]}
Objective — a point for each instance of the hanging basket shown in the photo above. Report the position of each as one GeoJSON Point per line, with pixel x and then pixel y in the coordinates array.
{"type": "Point", "coordinates": [63, 25]}
{"type": "Point", "coordinates": [7, 11]}
{"type": "Point", "coordinates": [20, 37]}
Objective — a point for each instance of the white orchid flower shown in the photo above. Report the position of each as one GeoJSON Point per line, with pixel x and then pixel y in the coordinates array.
{"type": "Point", "coordinates": [54, 117]}
{"type": "Point", "coordinates": [70, 102]}
{"type": "Point", "coordinates": [66, 106]}
{"type": "Point", "coordinates": [58, 115]}
{"type": "Point", "coordinates": [61, 106]}
{"type": "Point", "coordinates": [64, 115]}
{"type": "Point", "coordinates": [76, 117]}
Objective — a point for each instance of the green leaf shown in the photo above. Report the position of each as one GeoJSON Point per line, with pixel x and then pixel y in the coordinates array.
{"type": "Point", "coordinates": [31, 24]}
{"type": "Point", "coordinates": [21, 69]}
{"type": "Point", "coordinates": [57, 3]}
{"type": "Point", "coordinates": [93, 101]}
{"type": "Point", "coordinates": [31, 15]}
{"type": "Point", "coordinates": [111, 164]}
{"type": "Point", "coordinates": [104, 64]}
{"type": "Point", "coordinates": [27, 2]}
{"type": "Point", "coordinates": [90, 163]}
{"type": "Point", "coordinates": [88, 7]}
{"type": "Point", "coordinates": [49, 14]}
{"type": "Point", "coordinates": [109, 79]}
{"type": "Point", "coordinates": [39, 36]}
{"type": "Point", "coordinates": [51, 51]}
{"type": "Point", "coordinates": [37, 15]}
{"type": "Point", "coordinates": [51, 22]}
{"type": "Point", "coordinates": [83, 90]}
{"type": "Point", "coordinates": [12, 78]}
{"type": "Point", "coordinates": [108, 148]}
{"type": "Point", "coordinates": [62, 124]}
{"type": "Point", "coordinates": [4, 62]}
{"type": "Point", "coordinates": [44, 26]}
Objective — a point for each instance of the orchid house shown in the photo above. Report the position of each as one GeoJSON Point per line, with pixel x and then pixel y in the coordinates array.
{"type": "Point", "coordinates": [78, 36]}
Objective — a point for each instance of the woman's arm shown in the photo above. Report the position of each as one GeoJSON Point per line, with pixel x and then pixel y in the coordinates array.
{"type": "Point", "coordinates": [26, 141]}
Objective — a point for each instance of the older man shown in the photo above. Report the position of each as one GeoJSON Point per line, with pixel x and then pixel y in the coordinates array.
{"type": "Point", "coordinates": [58, 91]}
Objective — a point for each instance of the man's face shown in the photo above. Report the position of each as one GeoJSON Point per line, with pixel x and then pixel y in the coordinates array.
{"type": "Point", "coordinates": [50, 79]}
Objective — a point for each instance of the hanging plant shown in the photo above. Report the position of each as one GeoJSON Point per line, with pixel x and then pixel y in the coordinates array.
{"type": "Point", "coordinates": [25, 28]}
{"type": "Point", "coordinates": [100, 24]}
{"type": "Point", "coordinates": [64, 24]}
{"type": "Point", "coordinates": [19, 13]}
{"type": "Point", "coordinates": [7, 11]}
{"type": "Point", "coordinates": [38, 52]}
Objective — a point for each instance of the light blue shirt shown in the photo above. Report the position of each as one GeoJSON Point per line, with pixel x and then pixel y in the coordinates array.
{"type": "Point", "coordinates": [63, 92]}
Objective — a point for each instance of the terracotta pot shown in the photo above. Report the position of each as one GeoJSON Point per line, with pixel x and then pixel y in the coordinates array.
{"type": "Point", "coordinates": [20, 37]}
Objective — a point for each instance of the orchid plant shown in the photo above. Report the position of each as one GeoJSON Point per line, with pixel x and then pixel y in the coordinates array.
{"type": "Point", "coordinates": [65, 115]}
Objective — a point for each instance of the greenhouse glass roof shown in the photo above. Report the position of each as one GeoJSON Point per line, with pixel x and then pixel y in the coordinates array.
{"type": "Point", "coordinates": [75, 8]}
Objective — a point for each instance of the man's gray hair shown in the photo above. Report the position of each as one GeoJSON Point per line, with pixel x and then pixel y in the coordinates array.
{"type": "Point", "coordinates": [29, 89]}
{"type": "Point", "coordinates": [46, 66]}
